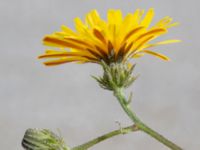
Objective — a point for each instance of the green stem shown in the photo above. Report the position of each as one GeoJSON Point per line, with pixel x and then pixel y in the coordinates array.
{"type": "Point", "coordinates": [118, 92]}
{"type": "Point", "coordinates": [99, 139]}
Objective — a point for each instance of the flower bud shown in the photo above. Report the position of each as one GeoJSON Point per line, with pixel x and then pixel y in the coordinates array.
{"type": "Point", "coordinates": [42, 139]}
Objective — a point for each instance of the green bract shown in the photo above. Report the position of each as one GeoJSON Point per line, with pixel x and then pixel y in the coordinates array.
{"type": "Point", "coordinates": [116, 75]}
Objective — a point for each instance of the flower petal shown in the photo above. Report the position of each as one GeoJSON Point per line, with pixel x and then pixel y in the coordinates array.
{"type": "Point", "coordinates": [161, 43]}
{"type": "Point", "coordinates": [138, 55]}
{"type": "Point", "coordinates": [99, 35]}
{"type": "Point", "coordinates": [93, 18]}
{"type": "Point", "coordinates": [67, 54]}
{"type": "Point", "coordinates": [137, 15]}
{"type": "Point", "coordinates": [80, 26]}
{"type": "Point", "coordinates": [68, 31]}
{"type": "Point", "coordinates": [114, 17]}
{"type": "Point", "coordinates": [66, 60]}
{"type": "Point", "coordinates": [53, 41]}
{"type": "Point", "coordinates": [148, 18]}
{"type": "Point", "coordinates": [161, 56]}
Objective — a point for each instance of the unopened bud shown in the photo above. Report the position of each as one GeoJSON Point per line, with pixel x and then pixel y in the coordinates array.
{"type": "Point", "coordinates": [42, 139]}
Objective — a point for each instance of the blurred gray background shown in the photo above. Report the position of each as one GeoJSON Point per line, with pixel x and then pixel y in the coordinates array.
{"type": "Point", "coordinates": [166, 95]}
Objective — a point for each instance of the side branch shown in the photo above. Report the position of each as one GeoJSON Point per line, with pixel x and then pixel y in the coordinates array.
{"type": "Point", "coordinates": [106, 136]}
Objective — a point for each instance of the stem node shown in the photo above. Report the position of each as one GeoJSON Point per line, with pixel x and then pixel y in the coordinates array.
{"type": "Point", "coordinates": [118, 92]}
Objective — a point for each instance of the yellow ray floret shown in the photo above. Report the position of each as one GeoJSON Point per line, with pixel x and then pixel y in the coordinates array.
{"type": "Point", "coordinates": [113, 40]}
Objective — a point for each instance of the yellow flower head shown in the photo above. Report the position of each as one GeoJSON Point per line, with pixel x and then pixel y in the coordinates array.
{"type": "Point", "coordinates": [115, 40]}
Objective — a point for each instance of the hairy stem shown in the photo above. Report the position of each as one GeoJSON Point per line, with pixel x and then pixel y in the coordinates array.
{"type": "Point", "coordinates": [118, 92]}
{"type": "Point", "coordinates": [106, 136]}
